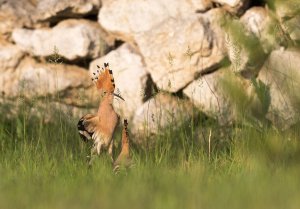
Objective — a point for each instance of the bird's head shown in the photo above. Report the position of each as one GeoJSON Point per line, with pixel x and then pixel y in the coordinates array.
{"type": "Point", "coordinates": [104, 80]}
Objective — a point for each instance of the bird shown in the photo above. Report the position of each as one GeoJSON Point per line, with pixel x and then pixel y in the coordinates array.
{"type": "Point", "coordinates": [124, 160]}
{"type": "Point", "coordinates": [100, 127]}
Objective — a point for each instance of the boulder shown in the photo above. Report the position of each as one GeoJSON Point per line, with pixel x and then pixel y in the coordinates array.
{"type": "Point", "coordinates": [226, 97]}
{"type": "Point", "coordinates": [47, 111]}
{"type": "Point", "coordinates": [74, 39]}
{"type": "Point", "coordinates": [282, 75]}
{"type": "Point", "coordinates": [15, 13]}
{"type": "Point", "coordinates": [255, 20]}
{"type": "Point", "coordinates": [285, 11]}
{"type": "Point", "coordinates": [10, 56]}
{"type": "Point", "coordinates": [130, 75]}
{"type": "Point", "coordinates": [50, 111]}
{"type": "Point", "coordinates": [206, 93]}
{"type": "Point", "coordinates": [32, 79]}
{"type": "Point", "coordinates": [125, 18]}
{"type": "Point", "coordinates": [259, 22]}
{"type": "Point", "coordinates": [234, 6]}
{"type": "Point", "coordinates": [56, 10]}
{"type": "Point", "coordinates": [292, 28]}
{"type": "Point", "coordinates": [245, 51]}
{"type": "Point", "coordinates": [180, 49]}
{"type": "Point", "coordinates": [289, 17]}
{"type": "Point", "coordinates": [158, 113]}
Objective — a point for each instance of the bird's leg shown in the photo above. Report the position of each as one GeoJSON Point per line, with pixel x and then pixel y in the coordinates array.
{"type": "Point", "coordinates": [110, 150]}
{"type": "Point", "coordinates": [98, 147]}
{"type": "Point", "coordinates": [93, 151]}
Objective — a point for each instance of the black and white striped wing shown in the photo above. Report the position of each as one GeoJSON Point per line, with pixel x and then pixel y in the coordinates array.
{"type": "Point", "coordinates": [86, 126]}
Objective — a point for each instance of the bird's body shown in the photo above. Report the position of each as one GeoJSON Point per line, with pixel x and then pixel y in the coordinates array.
{"type": "Point", "coordinates": [100, 127]}
{"type": "Point", "coordinates": [124, 159]}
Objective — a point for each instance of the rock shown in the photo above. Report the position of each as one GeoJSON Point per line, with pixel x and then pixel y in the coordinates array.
{"type": "Point", "coordinates": [15, 13]}
{"type": "Point", "coordinates": [281, 73]}
{"type": "Point", "coordinates": [131, 78]}
{"type": "Point", "coordinates": [47, 111]}
{"type": "Point", "coordinates": [292, 28]}
{"type": "Point", "coordinates": [180, 49]}
{"type": "Point", "coordinates": [255, 20]}
{"type": "Point", "coordinates": [74, 39]}
{"type": "Point", "coordinates": [56, 10]}
{"type": "Point", "coordinates": [289, 17]}
{"type": "Point", "coordinates": [234, 6]}
{"type": "Point", "coordinates": [286, 11]}
{"type": "Point", "coordinates": [34, 14]}
{"type": "Point", "coordinates": [259, 22]}
{"type": "Point", "coordinates": [10, 56]}
{"type": "Point", "coordinates": [206, 94]}
{"type": "Point", "coordinates": [158, 113]}
{"type": "Point", "coordinates": [32, 79]}
{"type": "Point", "coordinates": [226, 97]}
{"type": "Point", "coordinates": [125, 18]}
{"type": "Point", "coordinates": [201, 6]}
{"type": "Point", "coordinates": [244, 49]}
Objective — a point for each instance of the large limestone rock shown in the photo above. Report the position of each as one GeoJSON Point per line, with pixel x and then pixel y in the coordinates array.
{"type": "Point", "coordinates": [125, 18]}
{"type": "Point", "coordinates": [74, 39]}
{"type": "Point", "coordinates": [259, 22]}
{"type": "Point", "coordinates": [226, 97]}
{"type": "Point", "coordinates": [288, 14]}
{"type": "Point", "coordinates": [281, 73]}
{"type": "Point", "coordinates": [234, 6]}
{"type": "Point", "coordinates": [10, 56]}
{"type": "Point", "coordinates": [206, 93]}
{"type": "Point", "coordinates": [55, 10]}
{"type": "Point", "coordinates": [180, 49]}
{"type": "Point", "coordinates": [32, 79]}
{"type": "Point", "coordinates": [47, 111]}
{"type": "Point", "coordinates": [255, 20]}
{"type": "Point", "coordinates": [35, 14]}
{"type": "Point", "coordinates": [130, 75]}
{"type": "Point", "coordinates": [15, 13]}
{"type": "Point", "coordinates": [244, 49]}
{"type": "Point", "coordinates": [292, 28]}
{"type": "Point", "coordinates": [158, 113]}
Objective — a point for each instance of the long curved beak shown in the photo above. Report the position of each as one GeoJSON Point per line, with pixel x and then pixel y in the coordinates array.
{"type": "Point", "coordinates": [117, 95]}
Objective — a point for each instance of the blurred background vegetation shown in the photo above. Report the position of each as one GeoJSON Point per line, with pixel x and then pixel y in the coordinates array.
{"type": "Point", "coordinates": [198, 163]}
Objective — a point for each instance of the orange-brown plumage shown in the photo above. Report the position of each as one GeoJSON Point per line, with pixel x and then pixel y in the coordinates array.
{"type": "Point", "coordinates": [100, 127]}
{"type": "Point", "coordinates": [124, 159]}
{"type": "Point", "coordinates": [104, 79]}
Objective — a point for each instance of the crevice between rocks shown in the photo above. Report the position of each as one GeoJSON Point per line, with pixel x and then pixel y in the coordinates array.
{"type": "Point", "coordinates": [256, 3]}
{"type": "Point", "coordinates": [54, 21]}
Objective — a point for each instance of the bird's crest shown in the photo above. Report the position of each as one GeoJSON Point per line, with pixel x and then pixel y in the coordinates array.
{"type": "Point", "coordinates": [103, 79]}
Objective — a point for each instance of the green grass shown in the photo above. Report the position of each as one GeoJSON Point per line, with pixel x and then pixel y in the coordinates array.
{"type": "Point", "coordinates": [250, 165]}
{"type": "Point", "coordinates": [43, 165]}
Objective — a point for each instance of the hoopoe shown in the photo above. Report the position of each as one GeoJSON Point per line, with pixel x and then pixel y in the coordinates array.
{"type": "Point", "coordinates": [124, 159]}
{"type": "Point", "coordinates": [100, 127]}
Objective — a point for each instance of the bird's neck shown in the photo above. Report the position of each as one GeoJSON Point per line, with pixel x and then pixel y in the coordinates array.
{"type": "Point", "coordinates": [125, 149]}
{"type": "Point", "coordinates": [125, 143]}
{"type": "Point", "coordinates": [106, 104]}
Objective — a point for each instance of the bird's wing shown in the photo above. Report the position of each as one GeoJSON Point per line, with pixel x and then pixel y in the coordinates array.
{"type": "Point", "coordinates": [87, 125]}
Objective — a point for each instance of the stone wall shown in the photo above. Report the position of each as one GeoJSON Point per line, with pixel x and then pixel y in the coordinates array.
{"type": "Point", "coordinates": [157, 49]}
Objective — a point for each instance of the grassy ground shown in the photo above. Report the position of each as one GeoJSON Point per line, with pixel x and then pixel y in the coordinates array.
{"type": "Point", "coordinates": [44, 166]}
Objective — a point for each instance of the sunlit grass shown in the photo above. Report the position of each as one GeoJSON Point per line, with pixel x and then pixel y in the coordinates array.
{"type": "Point", "coordinates": [43, 165]}
{"type": "Point", "coordinates": [250, 164]}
